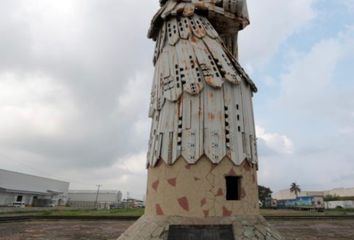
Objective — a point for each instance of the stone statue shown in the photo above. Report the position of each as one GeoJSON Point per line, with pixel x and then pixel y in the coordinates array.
{"type": "Point", "coordinates": [202, 160]}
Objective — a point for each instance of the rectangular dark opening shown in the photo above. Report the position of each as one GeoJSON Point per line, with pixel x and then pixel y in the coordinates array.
{"type": "Point", "coordinates": [233, 188]}
{"type": "Point", "coordinates": [19, 198]}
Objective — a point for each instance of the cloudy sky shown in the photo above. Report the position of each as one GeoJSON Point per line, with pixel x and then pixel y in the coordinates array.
{"type": "Point", "coordinates": [75, 79]}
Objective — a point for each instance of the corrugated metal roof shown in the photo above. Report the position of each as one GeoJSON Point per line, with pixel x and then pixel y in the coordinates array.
{"type": "Point", "coordinates": [24, 183]}
{"type": "Point", "coordinates": [94, 191]}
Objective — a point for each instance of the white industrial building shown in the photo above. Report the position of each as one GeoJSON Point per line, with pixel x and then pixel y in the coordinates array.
{"type": "Point", "coordinates": [87, 198]}
{"type": "Point", "coordinates": [28, 190]}
{"type": "Point", "coordinates": [339, 192]}
{"type": "Point", "coordinates": [346, 204]}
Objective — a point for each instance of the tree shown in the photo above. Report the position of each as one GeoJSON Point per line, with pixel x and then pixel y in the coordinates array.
{"type": "Point", "coordinates": [330, 197]}
{"type": "Point", "coordinates": [264, 193]}
{"type": "Point", "coordinates": [119, 196]}
{"type": "Point", "coordinates": [294, 188]}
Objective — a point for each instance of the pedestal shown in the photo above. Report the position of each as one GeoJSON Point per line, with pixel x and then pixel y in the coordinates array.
{"type": "Point", "coordinates": [211, 228]}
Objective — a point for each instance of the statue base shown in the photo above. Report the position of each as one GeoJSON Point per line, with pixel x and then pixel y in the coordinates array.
{"type": "Point", "coordinates": [211, 228]}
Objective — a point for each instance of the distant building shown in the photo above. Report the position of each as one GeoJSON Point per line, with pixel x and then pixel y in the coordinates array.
{"type": "Point", "coordinates": [348, 204]}
{"type": "Point", "coordinates": [133, 203]}
{"type": "Point", "coordinates": [87, 198]}
{"type": "Point", "coordinates": [286, 194]}
{"type": "Point", "coordinates": [340, 192]}
{"type": "Point", "coordinates": [19, 189]}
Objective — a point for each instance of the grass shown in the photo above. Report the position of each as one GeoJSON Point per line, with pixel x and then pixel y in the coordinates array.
{"type": "Point", "coordinates": [286, 212]}
{"type": "Point", "coordinates": [139, 212]}
{"type": "Point", "coordinates": [136, 212]}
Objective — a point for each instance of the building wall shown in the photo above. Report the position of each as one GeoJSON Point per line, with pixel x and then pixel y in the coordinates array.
{"type": "Point", "coordinates": [87, 198]}
{"type": "Point", "coordinates": [342, 204]}
{"type": "Point", "coordinates": [200, 190]}
{"type": "Point", "coordinates": [286, 194]}
{"type": "Point", "coordinates": [6, 199]}
{"type": "Point", "coordinates": [90, 196]}
{"type": "Point", "coordinates": [25, 182]}
{"type": "Point", "coordinates": [340, 192]}
{"type": "Point", "coordinates": [29, 186]}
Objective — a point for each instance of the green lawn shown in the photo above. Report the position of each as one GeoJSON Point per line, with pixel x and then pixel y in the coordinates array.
{"type": "Point", "coordinates": [135, 212]}
{"type": "Point", "coordinates": [285, 212]}
{"type": "Point", "coordinates": [139, 212]}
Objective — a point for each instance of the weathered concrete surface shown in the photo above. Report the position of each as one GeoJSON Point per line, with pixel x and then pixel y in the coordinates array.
{"type": "Point", "coordinates": [244, 228]}
{"type": "Point", "coordinates": [200, 190]}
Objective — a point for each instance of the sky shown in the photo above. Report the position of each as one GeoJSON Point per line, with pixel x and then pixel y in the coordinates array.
{"type": "Point", "coordinates": [75, 78]}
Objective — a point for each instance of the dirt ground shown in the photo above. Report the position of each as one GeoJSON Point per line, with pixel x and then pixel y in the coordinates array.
{"type": "Point", "coordinates": [109, 230]}
{"type": "Point", "coordinates": [63, 230]}
{"type": "Point", "coordinates": [316, 230]}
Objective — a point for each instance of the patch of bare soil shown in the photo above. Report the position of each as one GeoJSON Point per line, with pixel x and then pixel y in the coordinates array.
{"type": "Point", "coordinates": [111, 230]}
{"type": "Point", "coordinates": [316, 230]}
{"type": "Point", "coordinates": [63, 230]}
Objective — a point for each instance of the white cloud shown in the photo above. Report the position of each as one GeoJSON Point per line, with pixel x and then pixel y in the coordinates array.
{"type": "Point", "coordinates": [278, 143]}
{"type": "Point", "coordinates": [272, 22]}
{"type": "Point", "coordinates": [349, 4]}
{"type": "Point", "coordinates": [311, 75]}
{"type": "Point", "coordinates": [132, 163]}
{"type": "Point", "coordinates": [32, 102]}
{"type": "Point", "coordinates": [268, 80]}
{"type": "Point", "coordinates": [311, 84]}
{"type": "Point", "coordinates": [136, 94]}
{"type": "Point", "coordinates": [127, 174]}
{"type": "Point", "coordinates": [314, 100]}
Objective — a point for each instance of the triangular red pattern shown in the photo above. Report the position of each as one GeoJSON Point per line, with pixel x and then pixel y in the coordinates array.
{"type": "Point", "coordinates": [155, 185]}
{"type": "Point", "coordinates": [159, 211]}
{"type": "Point", "coordinates": [203, 202]}
{"type": "Point", "coordinates": [172, 181]}
{"type": "Point", "coordinates": [206, 213]}
{"type": "Point", "coordinates": [226, 212]}
{"type": "Point", "coordinates": [183, 202]}
{"type": "Point", "coordinates": [220, 192]}
{"type": "Point", "coordinates": [232, 172]}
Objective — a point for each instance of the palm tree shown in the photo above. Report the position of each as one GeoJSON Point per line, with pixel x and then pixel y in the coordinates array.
{"type": "Point", "coordinates": [294, 188]}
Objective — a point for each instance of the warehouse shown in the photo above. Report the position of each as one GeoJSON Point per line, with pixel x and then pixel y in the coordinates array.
{"type": "Point", "coordinates": [19, 189]}
{"type": "Point", "coordinates": [93, 198]}
{"type": "Point", "coordinates": [339, 192]}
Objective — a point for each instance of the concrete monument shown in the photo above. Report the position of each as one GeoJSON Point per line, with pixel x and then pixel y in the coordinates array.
{"type": "Point", "coordinates": [202, 160]}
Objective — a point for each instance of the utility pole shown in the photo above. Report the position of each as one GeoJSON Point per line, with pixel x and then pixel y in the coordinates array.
{"type": "Point", "coordinates": [98, 192]}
